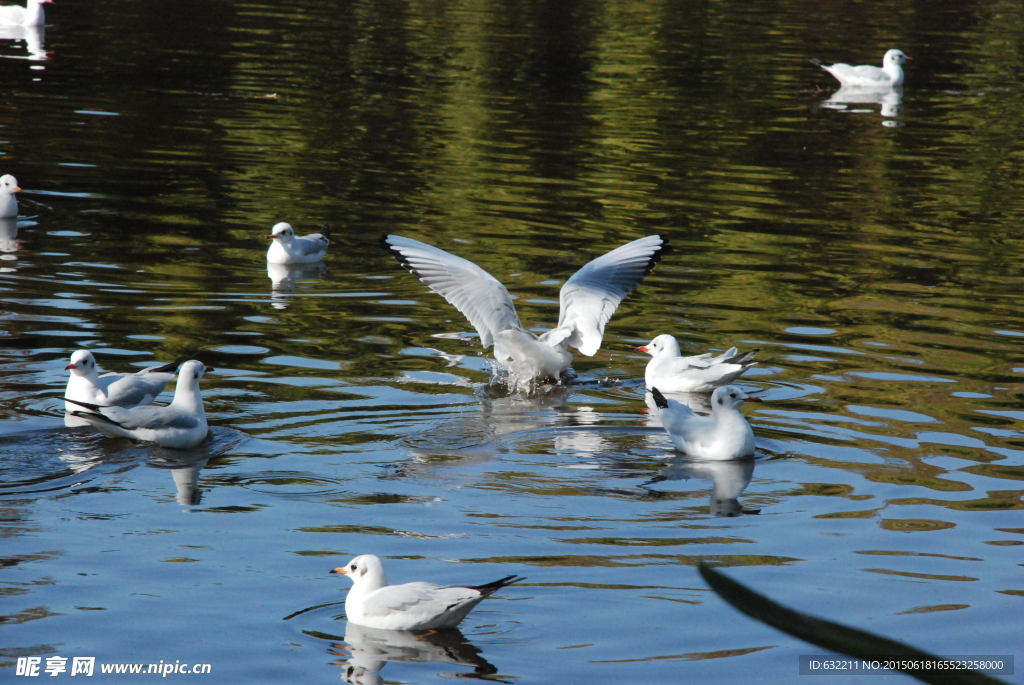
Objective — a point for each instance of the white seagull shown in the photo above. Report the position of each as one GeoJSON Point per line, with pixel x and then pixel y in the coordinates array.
{"type": "Point", "coordinates": [114, 389]}
{"type": "Point", "coordinates": [413, 606]}
{"type": "Point", "coordinates": [8, 203]}
{"type": "Point", "coordinates": [866, 76]}
{"type": "Point", "coordinates": [289, 249]}
{"type": "Point", "coordinates": [724, 435]}
{"type": "Point", "coordinates": [31, 15]}
{"type": "Point", "coordinates": [670, 372]}
{"type": "Point", "coordinates": [588, 300]}
{"type": "Point", "coordinates": [180, 425]}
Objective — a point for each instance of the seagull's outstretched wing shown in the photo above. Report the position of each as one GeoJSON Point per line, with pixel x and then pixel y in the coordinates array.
{"type": "Point", "coordinates": [473, 291]}
{"type": "Point", "coordinates": [591, 296]}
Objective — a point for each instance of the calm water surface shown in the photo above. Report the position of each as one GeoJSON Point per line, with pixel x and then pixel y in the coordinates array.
{"type": "Point", "coordinates": [874, 260]}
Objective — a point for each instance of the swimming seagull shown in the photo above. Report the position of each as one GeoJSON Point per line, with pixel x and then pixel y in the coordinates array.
{"type": "Point", "coordinates": [670, 372]}
{"type": "Point", "coordinates": [724, 435]}
{"type": "Point", "coordinates": [413, 606]}
{"type": "Point", "coordinates": [114, 389]}
{"type": "Point", "coordinates": [31, 15]}
{"type": "Point", "coordinates": [180, 425]}
{"type": "Point", "coordinates": [588, 299]}
{"type": "Point", "coordinates": [289, 249]}
{"type": "Point", "coordinates": [8, 203]}
{"type": "Point", "coordinates": [867, 76]}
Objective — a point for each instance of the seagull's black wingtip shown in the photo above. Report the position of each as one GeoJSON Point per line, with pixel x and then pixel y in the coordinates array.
{"type": "Point", "coordinates": [87, 405]}
{"type": "Point", "coordinates": [396, 253]}
{"type": "Point", "coordinates": [490, 588]}
{"type": "Point", "coordinates": [659, 399]}
{"type": "Point", "coordinates": [169, 368]}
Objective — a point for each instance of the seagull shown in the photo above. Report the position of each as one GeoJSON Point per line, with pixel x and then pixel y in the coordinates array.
{"type": "Point", "coordinates": [724, 435]}
{"type": "Point", "coordinates": [114, 389]}
{"type": "Point", "coordinates": [588, 299]}
{"type": "Point", "coordinates": [8, 203]}
{"type": "Point", "coordinates": [32, 15]}
{"type": "Point", "coordinates": [180, 425]}
{"type": "Point", "coordinates": [866, 76]}
{"type": "Point", "coordinates": [288, 249]}
{"type": "Point", "coordinates": [671, 372]}
{"type": "Point", "coordinates": [413, 606]}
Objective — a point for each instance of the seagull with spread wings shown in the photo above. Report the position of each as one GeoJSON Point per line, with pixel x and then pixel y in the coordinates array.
{"type": "Point", "coordinates": [588, 300]}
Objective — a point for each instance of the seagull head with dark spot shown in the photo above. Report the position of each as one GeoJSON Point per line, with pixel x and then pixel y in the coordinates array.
{"type": "Point", "coordinates": [282, 232]}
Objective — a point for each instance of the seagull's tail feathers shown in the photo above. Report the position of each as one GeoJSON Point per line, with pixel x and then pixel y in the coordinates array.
{"type": "Point", "coordinates": [93, 413]}
{"type": "Point", "coordinates": [816, 62]}
{"type": "Point", "coordinates": [170, 368]}
{"type": "Point", "coordinates": [87, 405]}
{"type": "Point", "coordinates": [659, 399]}
{"type": "Point", "coordinates": [491, 588]}
{"type": "Point", "coordinates": [96, 416]}
{"type": "Point", "coordinates": [325, 232]}
{"type": "Point", "coordinates": [745, 358]}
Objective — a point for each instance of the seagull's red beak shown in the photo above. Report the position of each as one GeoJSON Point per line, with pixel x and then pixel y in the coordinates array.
{"type": "Point", "coordinates": [340, 569]}
{"type": "Point", "coordinates": [69, 367]}
{"type": "Point", "coordinates": [753, 399]}
{"type": "Point", "coordinates": [208, 369]}
{"type": "Point", "coordinates": [270, 237]}
{"type": "Point", "coordinates": [17, 189]}
{"type": "Point", "coordinates": [909, 59]}
{"type": "Point", "coordinates": [643, 348]}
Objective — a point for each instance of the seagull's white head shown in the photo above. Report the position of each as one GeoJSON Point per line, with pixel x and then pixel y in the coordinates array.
{"type": "Point", "coordinates": [193, 369]}
{"type": "Point", "coordinates": [82, 361]}
{"type": "Point", "coordinates": [282, 232]}
{"type": "Point", "coordinates": [895, 57]}
{"type": "Point", "coordinates": [8, 185]}
{"type": "Point", "coordinates": [662, 345]}
{"type": "Point", "coordinates": [366, 569]}
{"type": "Point", "coordinates": [730, 397]}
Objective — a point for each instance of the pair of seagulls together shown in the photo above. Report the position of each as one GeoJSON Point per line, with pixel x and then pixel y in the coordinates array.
{"type": "Point", "coordinates": [118, 404]}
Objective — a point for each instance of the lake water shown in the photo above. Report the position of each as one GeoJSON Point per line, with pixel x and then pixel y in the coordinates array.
{"type": "Point", "coordinates": [875, 262]}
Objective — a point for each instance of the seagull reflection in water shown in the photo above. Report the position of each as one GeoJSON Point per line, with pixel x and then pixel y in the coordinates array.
{"type": "Point", "coordinates": [185, 472]}
{"type": "Point", "coordinates": [9, 240]}
{"type": "Point", "coordinates": [283, 278]}
{"type": "Point", "coordinates": [33, 36]}
{"type": "Point", "coordinates": [890, 98]}
{"type": "Point", "coordinates": [370, 649]}
{"type": "Point", "coordinates": [730, 479]}
{"type": "Point", "coordinates": [502, 422]}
